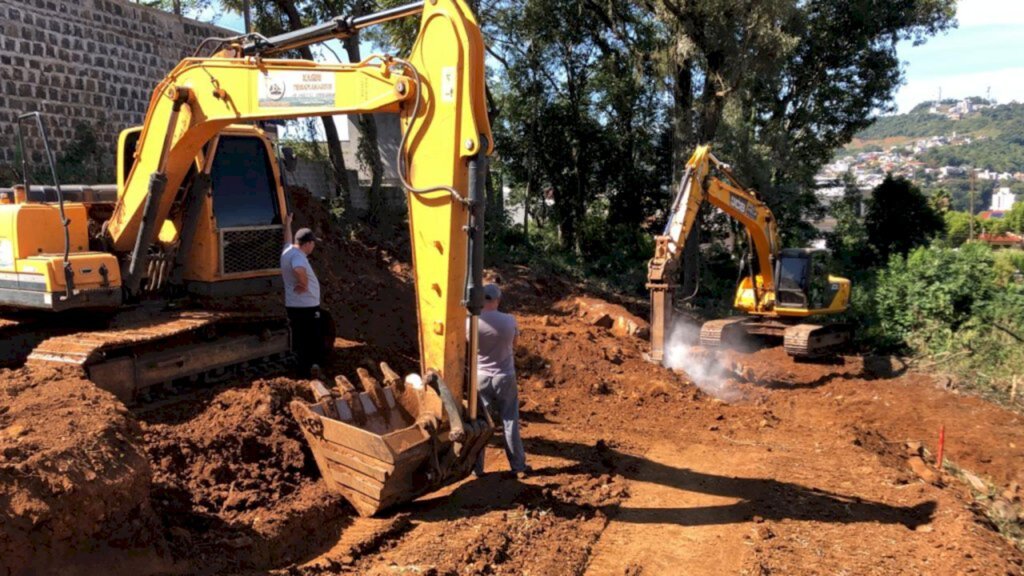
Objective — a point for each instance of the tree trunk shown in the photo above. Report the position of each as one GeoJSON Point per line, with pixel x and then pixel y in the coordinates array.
{"type": "Point", "coordinates": [341, 187]}
{"type": "Point", "coordinates": [369, 146]}
{"type": "Point", "coordinates": [526, 206]}
{"type": "Point", "coordinates": [682, 148]}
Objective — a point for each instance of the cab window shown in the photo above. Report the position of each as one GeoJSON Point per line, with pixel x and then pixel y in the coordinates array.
{"type": "Point", "coordinates": [792, 272]}
{"type": "Point", "coordinates": [244, 191]}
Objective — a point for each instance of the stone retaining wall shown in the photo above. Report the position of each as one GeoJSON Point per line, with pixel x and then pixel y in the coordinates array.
{"type": "Point", "coordinates": [89, 66]}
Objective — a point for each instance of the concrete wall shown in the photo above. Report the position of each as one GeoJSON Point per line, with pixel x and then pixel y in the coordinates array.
{"type": "Point", "coordinates": [90, 62]}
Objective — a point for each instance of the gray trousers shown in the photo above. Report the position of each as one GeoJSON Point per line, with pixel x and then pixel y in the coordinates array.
{"type": "Point", "coordinates": [500, 394]}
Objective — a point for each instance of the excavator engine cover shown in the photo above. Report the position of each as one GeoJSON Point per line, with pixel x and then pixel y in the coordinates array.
{"type": "Point", "coordinates": [387, 444]}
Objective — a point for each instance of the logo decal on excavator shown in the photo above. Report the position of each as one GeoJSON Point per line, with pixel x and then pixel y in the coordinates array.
{"type": "Point", "coordinates": [296, 88]}
{"type": "Point", "coordinates": [743, 205]}
{"type": "Point", "coordinates": [275, 90]}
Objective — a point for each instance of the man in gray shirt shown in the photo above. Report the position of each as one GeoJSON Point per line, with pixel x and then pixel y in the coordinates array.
{"type": "Point", "coordinates": [496, 371]}
{"type": "Point", "coordinates": [302, 300]}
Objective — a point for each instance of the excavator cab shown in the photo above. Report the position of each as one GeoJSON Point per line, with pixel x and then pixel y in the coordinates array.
{"type": "Point", "coordinates": [803, 283]}
{"type": "Point", "coordinates": [225, 234]}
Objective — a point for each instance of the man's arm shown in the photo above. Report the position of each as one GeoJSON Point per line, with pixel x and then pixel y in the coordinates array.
{"type": "Point", "coordinates": [287, 229]}
{"type": "Point", "coordinates": [301, 279]}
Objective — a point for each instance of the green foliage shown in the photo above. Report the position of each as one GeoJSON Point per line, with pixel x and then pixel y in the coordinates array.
{"type": "Point", "coordinates": [79, 161]}
{"type": "Point", "coordinates": [1002, 154]}
{"type": "Point", "coordinates": [958, 228]}
{"type": "Point", "coordinates": [961, 310]}
{"type": "Point", "coordinates": [899, 218]}
{"type": "Point", "coordinates": [959, 190]}
{"type": "Point", "coordinates": [1009, 266]}
{"type": "Point", "coordinates": [998, 120]}
{"type": "Point", "coordinates": [1015, 217]}
{"type": "Point", "coordinates": [934, 288]}
{"type": "Point", "coordinates": [849, 240]}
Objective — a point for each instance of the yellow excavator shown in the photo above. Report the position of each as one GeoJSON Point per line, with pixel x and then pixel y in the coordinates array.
{"type": "Point", "coordinates": [198, 210]}
{"type": "Point", "coordinates": [787, 287]}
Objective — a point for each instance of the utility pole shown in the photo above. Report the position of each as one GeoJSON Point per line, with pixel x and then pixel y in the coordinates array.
{"type": "Point", "coordinates": [970, 210]}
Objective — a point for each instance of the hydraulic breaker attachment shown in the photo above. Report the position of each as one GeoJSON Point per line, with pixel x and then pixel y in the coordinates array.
{"type": "Point", "coordinates": [390, 440]}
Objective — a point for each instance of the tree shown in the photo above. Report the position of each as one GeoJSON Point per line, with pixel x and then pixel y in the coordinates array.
{"type": "Point", "coordinates": [1015, 217]}
{"type": "Point", "coordinates": [848, 241]}
{"type": "Point", "coordinates": [778, 85]}
{"type": "Point", "coordinates": [958, 227]}
{"type": "Point", "coordinates": [580, 114]}
{"type": "Point", "coordinates": [899, 218]}
{"type": "Point", "coordinates": [368, 152]}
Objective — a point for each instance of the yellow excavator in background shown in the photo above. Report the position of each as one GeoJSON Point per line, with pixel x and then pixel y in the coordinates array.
{"type": "Point", "coordinates": [198, 209]}
{"type": "Point", "coordinates": [787, 287]}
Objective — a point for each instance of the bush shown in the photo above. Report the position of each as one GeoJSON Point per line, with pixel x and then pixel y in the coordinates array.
{"type": "Point", "coordinates": [935, 288]}
{"type": "Point", "coordinates": [960, 310]}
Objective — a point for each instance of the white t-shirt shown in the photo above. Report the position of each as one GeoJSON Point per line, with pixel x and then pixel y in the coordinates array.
{"type": "Point", "coordinates": [291, 259]}
{"type": "Point", "coordinates": [497, 332]}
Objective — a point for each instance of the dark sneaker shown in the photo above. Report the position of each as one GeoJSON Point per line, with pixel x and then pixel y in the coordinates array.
{"type": "Point", "coordinates": [523, 474]}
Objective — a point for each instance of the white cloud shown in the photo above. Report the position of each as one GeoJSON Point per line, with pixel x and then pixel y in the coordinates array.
{"type": "Point", "coordinates": [983, 12]}
{"type": "Point", "coordinates": [1007, 84]}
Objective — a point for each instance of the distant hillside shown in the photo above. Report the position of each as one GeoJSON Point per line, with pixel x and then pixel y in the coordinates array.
{"type": "Point", "coordinates": [919, 122]}
{"type": "Point", "coordinates": [997, 134]}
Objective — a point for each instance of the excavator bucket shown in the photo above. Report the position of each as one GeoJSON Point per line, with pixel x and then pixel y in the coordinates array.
{"type": "Point", "coordinates": [379, 445]}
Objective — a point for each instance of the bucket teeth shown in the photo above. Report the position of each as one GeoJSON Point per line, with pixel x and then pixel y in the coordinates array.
{"type": "Point", "coordinates": [343, 386]}
{"type": "Point", "coordinates": [391, 378]}
{"type": "Point", "coordinates": [389, 444]}
{"type": "Point", "coordinates": [350, 396]}
{"type": "Point", "coordinates": [372, 387]}
{"type": "Point", "coordinates": [325, 398]}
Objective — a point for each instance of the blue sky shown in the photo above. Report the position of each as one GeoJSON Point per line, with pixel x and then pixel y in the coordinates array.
{"type": "Point", "coordinates": [985, 51]}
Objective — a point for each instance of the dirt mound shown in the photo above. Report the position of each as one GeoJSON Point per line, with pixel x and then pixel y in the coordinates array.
{"type": "Point", "coordinates": [367, 287]}
{"type": "Point", "coordinates": [233, 480]}
{"type": "Point", "coordinates": [73, 475]}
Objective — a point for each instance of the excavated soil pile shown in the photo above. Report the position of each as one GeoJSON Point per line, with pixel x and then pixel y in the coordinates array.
{"type": "Point", "coordinates": [73, 477]}
{"type": "Point", "coordinates": [233, 481]}
{"type": "Point", "coordinates": [367, 288]}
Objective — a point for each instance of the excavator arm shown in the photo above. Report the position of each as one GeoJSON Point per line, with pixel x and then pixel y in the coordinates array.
{"type": "Point", "coordinates": [438, 92]}
{"type": "Point", "coordinates": [707, 179]}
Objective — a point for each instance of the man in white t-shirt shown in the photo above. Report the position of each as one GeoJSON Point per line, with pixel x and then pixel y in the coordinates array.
{"type": "Point", "coordinates": [302, 300]}
{"type": "Point", "coordinates": [496, 372]}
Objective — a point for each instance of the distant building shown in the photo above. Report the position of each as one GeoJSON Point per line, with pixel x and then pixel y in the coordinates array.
{"type": "Point", "coordinates": [1003, 200]}
{"type": "Point", "coordinates": [1007, 240]}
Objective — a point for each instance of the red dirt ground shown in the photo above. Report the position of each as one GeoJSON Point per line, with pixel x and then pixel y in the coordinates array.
{"type": "Point", "coordinates": [636, 469]}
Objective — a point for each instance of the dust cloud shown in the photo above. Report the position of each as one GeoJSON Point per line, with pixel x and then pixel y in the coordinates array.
{"type": "Point", "coordinates": [682, 352]}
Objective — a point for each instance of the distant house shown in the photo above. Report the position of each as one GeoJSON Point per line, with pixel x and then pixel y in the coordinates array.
{"type": "Point", "coordinates": [1003, 200]}
{"type": "Point", "coordinates": [1007, 240]}
{"type": "Point", "coordinates": [947, 171]}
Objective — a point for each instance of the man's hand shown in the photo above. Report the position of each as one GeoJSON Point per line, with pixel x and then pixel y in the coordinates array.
{"type": "Point", "coordinates": [301, 280]}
